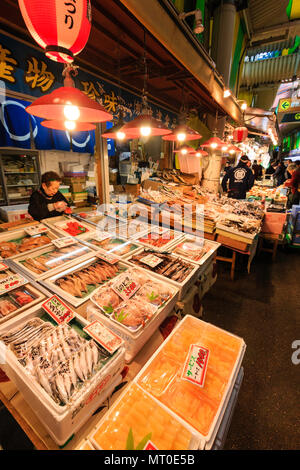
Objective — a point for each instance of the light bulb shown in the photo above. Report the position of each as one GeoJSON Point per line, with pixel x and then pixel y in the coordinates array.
{"type": "Point", "coordinates": [184, 151]}
{"type": "Point", "coordinates": [231, 152]}
{"type": "Point", "coordinates": [227, 93]}
{"type": "Point", "coordinates": [198, 154]}
{"type": "Point", "coordinates": [145, 131]}
{"type": "Point", "coordinates": [214, 145]}
{"type": "Point", "coordinates": [224, 148]}
{"type": "Point", "coordinates": [230, 137]}
{"type": "Point", "coordinates": [181, 136]}
{"type": "Point", "coordinates": [120, 135]}
{"type": "Point", "coordinates": [71, 112]}
{"type": "Point", "coordinates": [244, 106]}
{"type": "Point", "coordinates": [70, 125]}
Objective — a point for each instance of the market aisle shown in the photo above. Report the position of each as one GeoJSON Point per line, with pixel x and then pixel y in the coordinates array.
{"type": "Point", "coordinates": [263, 308]}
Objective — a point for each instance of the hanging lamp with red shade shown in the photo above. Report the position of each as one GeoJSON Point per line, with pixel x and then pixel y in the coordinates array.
{"type": "Point", "coordinates": [213, 143]}
{"type": "Point", "coordinates": [72, 126]}
{"type": "Point", "coordinates": [61, 28]}
{"type": "Point", "coordinates": [185, 150]}
{"type": "Point", "coordinates": [199, 153]}
{"type": "Point", "coordinates": [182, 133]}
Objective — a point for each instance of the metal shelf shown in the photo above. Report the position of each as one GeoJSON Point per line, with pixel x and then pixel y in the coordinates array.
{"type": "Point", "coordinates": [21, 185]}
{"type": "Point", "coordinates": [20, 172]}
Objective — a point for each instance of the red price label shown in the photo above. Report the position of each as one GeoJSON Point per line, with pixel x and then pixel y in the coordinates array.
{"type": "Point", "coordinates": [126, 288]}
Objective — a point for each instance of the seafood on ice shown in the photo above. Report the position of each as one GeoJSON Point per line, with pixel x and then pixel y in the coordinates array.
{"type": "Point", "coordinates": [138, 309]}
{"type": "Point", "coordinates": [169, 266]}
{"type": "Point", "coordinates": [26, 243]}
{"type": "Point", "coordinates": [53, 258]}
{"type": "Point", "coordinates": [58, 358]}
{"type": "Point", "coordinates": [137, 419]}
{"type": "Point", "coordinates": [76, 284]}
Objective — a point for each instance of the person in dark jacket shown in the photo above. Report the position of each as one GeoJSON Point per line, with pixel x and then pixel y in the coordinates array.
{"type": "Point", "coordinates": [240, 178]}
{"type": "Point", "coordinates": [47, 201]}
{"type": "Point", "coordinates": [227, 167]}
{"type": "Point", "coordinates": [279, 174]}
{"type": "Point", "coordinates": [257, 170]}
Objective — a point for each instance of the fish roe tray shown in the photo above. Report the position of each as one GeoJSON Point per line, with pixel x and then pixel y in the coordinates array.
{"type": "Point", "coordinates": [42, 262]}
{"type": "Point", "coordinates": [77, 283]}
{"type": "Point", "coordinates": [160, 238]}
{"type": "Point", "coordinates": [63, 374]}
{"type": "Point", "coordinates": [14, 243]}
{"type": "Point", "coordinates": [64, 226]}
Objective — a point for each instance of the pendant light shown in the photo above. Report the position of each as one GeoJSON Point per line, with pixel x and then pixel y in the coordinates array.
{"type": "Point", "coordinates": [185, 150]}
{"type": "Point", "coordinates": [68, 104]}
{"type": "Point", "coordinates": [213, 143]}
{"type": "Point", "coordinates": [71, 126]}
{"type": "Point", "coordinates": [61, 28]}
{"type": "Point", "coordinates": [199, 153]}
{"type": "Point", "coordinates": [145, 125]}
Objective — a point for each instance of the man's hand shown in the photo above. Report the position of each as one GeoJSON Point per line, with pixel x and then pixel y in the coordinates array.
{"type": "Point", "coordinates": [60, 206]}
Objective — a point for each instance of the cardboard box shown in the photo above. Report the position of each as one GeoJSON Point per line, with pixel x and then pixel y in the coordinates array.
{"type": "Point", "coordinates": [133, 189]}
{"type": "Point", "coordinates": [77, 187]}
{"type": "Point", "coordinates": [74, 179]}
{"type": "Point", "coordinates": [154, 185]}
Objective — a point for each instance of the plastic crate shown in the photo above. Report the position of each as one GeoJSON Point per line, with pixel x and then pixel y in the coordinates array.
{"type": "Point", "coordinates": [273, 222]}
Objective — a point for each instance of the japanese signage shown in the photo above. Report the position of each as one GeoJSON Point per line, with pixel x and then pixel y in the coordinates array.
{"type": "Point", "coordinates": [125, 287]}
{"type": "Point", "coordinates": [105, 256]}
{"type": "Point", "coordinates": [36, 230]}
{"type": "Point", "coordinates": [196, 365]}
{"type": "Point", "coordinates": [58, 310]}
{"type": "Point", "coordinates": [105, 337]}
{"type": "Point", "coordinates": [11, 282]}
{"type": "Point", "coordinates": [63, 242]}
{"type": "Point", "coordinates": [151, 260]}
{"type": "Point", "coordinates": [289, 105]}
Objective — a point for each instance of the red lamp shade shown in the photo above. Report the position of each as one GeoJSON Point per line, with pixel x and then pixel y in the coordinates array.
{"type": "Point", "coordinates": [112, 133]}
{"type": "Point", "coordinates": [190, 134]}
{"type": "Point", "coordinates": [62, 28]}
{"type": "Point", "coordinates": [60, 126]}
{"type": "Point", "coordinates": [240, 134]}
{"type": "Point", "coordinates": [52, 106]}
{"type": "Point", "coordinates": [132, 129]}
{"type": "Point", "coordinates": [213, 142]}
{"type": "Point", "coordinates": [199, 153]}
{"type": "Point", "coordinates": [234, 148]}
{"type": "Point", "coordinates": [185, 149]}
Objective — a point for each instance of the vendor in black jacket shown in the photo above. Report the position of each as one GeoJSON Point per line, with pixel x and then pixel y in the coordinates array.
{"type": "Point", "coordinates": [240, 178]}
{"type": "Point", "coordinates": [47, 201]}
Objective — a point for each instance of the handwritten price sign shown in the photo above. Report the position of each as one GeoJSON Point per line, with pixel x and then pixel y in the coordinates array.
{"type": "Point", "coordinates": [196, 365]}
{"type": "Point", "coordinates": [11, 282]}
{"type": "Point", "coordinates": [107, 338]}
{"type": "Point", "coordinates": [126, 288]}
{"type": "Point", "coordinates": [59, 311]}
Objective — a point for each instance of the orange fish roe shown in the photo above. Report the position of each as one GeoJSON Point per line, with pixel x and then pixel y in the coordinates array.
{"type": "Point", "coordinates": [162, 378]}
{"type": "Point", "coordinates": [138, 412]}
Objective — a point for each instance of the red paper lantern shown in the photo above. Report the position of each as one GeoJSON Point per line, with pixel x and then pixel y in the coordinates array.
{"type": "Point", "coordinates": [61, 27]}
{"type": "Point", "coordinates": [240, 134]}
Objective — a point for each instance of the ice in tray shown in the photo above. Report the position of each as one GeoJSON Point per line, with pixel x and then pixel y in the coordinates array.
{"type": "Point", "coordinates": [137, 422]}
{"type": "Point", "coordinates": [171, 375]}
{"type": "Point", "coordinates": [133, 299]}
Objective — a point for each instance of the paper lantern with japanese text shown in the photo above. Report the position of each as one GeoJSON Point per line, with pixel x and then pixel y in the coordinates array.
{"type": "Point", "coordinates": [61, 27]}
{"type": "Point", "coordinates": [240, 134]}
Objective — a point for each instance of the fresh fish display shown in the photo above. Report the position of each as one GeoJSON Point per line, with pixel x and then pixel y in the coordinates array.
{"type": "Point", "coordinates": [171, 267]}
{"type": "Point", "coordinates": [94, 275]}
{"type": "Point", "coordinates": [192, 249]}
{"type": "Point", "coordinates": [25, 243]}
{"type": "Point", "coordinates": [14, 300]}
{"type": "Point", "coordinates": [58, 358]}
{"type": "Point", "coordinates": [158, 240]}
{"type": "Point", "coordinates": [53, 258]}
{"type": "Point", "coordinates": [113, 245]}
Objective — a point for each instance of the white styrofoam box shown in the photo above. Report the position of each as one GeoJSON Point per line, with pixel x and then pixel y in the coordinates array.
{"type": "Point", "coordinates": [13, 213]}
{"type": "Point", "coordinates": [62, 421]}
{"type": "Point", "coordinates": [194, 443]}
{"type": "Point", "coordinates": [17, 260]}
{"type": "Point", "coordinates": [57, 223]}
{"type": "Point", "coordinates": [19, 233]}
{"type": "Point", "coordinates": [134, 340]}
{"type": "Point", "coordinates": [205, 441]}
{"type": "Point", "coordinates": [206, 279]}
{"type": "Point", "coordinates": [183, 286]}
{"type": "Point", "coordinates": [115, 251]}
{"type": "Point", "coordinates": [211, 246]}
{"type": "Point", "coordinates": [49, 282]}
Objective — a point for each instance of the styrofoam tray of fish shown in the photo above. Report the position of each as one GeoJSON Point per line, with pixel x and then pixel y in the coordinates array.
{"type": "Point", "coordinates": [63, 374]}
{"type": "Point", "coordinates": [16, 300]}
{"type": "Point", "coordinates": [225, 228]}
{"type": "Point", "coordinates": [115, 245]}
{"type": "Point", "coordinates": [198, 250]}
{"type": "Point", "coordinates": [48, 260]}
{"type": "Point", "coordinates": [91, 218]}
{"type": "Point", "coordinates": [165, 376]}
{"type": "Point", "coordinates": [136, 319]}
{"type": "Point", "coordinates": [64, 226]}
{"type": "Point", "coordinates": [160, 238]}
{"type": "Point", "coordinates": [77, 283]}
{"type": "Point", "coordinates": [14, 243]}
{"type": "Point", "coordinates": [168, 268]}
{"type": "Point", "coordinates": [137, 422]}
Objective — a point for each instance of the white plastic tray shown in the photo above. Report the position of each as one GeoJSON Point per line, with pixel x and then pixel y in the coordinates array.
{"type": "Point", "coordinates": [56, 224]}
{"type": "Point", "coordinates": [85, 240]}
{"type": "Point", "coordinates": [16, 234]}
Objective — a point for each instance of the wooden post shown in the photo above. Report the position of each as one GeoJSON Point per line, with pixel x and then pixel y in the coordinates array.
{"type": "Point", "coordinates": [101, 160]}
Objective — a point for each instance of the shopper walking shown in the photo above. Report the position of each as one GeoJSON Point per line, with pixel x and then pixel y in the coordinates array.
{"type": "Point", "coordinates": [239, 179]}
{"type": "Point", "coordinates": [257, 170]}
{"type": "Point", "coordinates": [279, 174]}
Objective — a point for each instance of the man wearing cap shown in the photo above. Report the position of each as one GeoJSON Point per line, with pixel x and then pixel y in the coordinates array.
{"type": "Point", "coordinates": [240, 178]}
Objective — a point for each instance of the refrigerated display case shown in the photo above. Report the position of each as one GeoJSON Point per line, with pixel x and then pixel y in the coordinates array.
{"type": "Point", "coordinates": [20, 175]}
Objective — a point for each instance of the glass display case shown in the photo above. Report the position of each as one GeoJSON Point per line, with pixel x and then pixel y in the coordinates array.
{"type": "Point", "coordinates": [20, 174]}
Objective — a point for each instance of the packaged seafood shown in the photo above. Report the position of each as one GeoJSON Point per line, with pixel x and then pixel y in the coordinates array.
{"type": "Point", "coordinates": [14, 243]}
{"type": "Point", "coordinates": [160, 238]}
{"type": "Point", "coordinates": [61, 371]}
{"type": "Point", "coordinates": [92, 217]}
{"type": "Point", "coordinates": [77, 283]}
{"type": "Point", "coordinates": [16, 294]}
{"type": "Point", "coordinates": [119, 246]}
{"type": "Point", "coordinates": [138, 422]}
{"type": "Point", "coordinates": [167, 267]}
{"type": "Point", "coordinates": [136, 318]}
{"type": "Point", "coordinates": [64, 225]}
{"type": "Point", "coordinates": [193, 373]}
{"type": "Point", "coordinates": [196, 249]}
{"type": "Point", "coordinates": [47, 260]}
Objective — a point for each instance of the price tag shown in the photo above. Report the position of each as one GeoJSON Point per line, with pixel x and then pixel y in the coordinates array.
{"type": "Point", "coordinates": [11, 282]}
{"type": "Point", "coordinates": [108, 257]}
{"type": "Point", "coordinates": [3, 266]}
{"type": "Point", "coordinates": [150, 446]}
{"type": "Point", "coordinates": [36, 230]}
{"type": "Point", "coordinates": [104, 336]}
{"type": "Point", "coordinates": [196, 365]}
{"type": "Point", "coordinates": [63, 242]}
{"type": "Point", "coordinates": [126, 287]}
{"type": "Point", "coordinates": [59, 311]}
{"type": "Point", "coordinates": [151, 260]}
